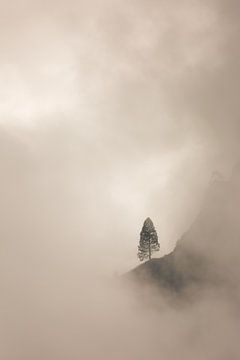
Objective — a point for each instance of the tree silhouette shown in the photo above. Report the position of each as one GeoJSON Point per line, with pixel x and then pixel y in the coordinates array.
{"type": "Point", "coordinates": [148, 241]}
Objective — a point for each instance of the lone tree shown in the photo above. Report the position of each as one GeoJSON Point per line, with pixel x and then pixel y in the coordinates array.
{"type": "Point", "coordinates": [148, 241]}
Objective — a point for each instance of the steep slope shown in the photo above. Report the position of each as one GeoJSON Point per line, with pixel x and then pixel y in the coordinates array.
{"type": "Point", "coordinates": [207, 254]}
{"type": "Point", "coordinates": [176, 271]}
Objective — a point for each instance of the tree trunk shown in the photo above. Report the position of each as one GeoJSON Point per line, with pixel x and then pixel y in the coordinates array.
{"type": "Point", "coordinates": [149, 249]}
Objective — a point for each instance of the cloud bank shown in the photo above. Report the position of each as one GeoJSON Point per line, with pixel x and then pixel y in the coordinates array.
{"type": "Point", "coordinates": [110, 112]}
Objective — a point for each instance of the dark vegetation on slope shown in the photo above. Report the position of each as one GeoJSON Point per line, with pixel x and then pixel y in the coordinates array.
{"type": "Point", "coordinates": [176, 271]}
{"type": "Point", "coordinates": [208, 252]}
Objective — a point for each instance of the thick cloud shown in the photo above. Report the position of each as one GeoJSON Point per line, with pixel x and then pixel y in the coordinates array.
{"type": "Point", "coordinates": [146, 90]}
{"type": "Point", "coordinates": [110, 111]}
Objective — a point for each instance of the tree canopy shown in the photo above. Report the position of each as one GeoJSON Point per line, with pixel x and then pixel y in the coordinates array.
{"type": "Point", "coordinates": [148, 241]}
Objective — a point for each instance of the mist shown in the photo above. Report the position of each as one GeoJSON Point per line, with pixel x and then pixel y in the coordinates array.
{"type": "Point", "coordinates": [111, 112]}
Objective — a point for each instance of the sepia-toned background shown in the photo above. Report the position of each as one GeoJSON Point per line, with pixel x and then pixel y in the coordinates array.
{"type": "Point", "coordinates": [110, 112]}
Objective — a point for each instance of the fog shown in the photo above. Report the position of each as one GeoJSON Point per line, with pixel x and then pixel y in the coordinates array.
{"type": "Point", "coordinates": [111, 112]}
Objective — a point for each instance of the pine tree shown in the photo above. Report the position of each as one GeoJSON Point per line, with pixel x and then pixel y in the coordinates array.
{"type": "Point", "coordinates": [148, 241]}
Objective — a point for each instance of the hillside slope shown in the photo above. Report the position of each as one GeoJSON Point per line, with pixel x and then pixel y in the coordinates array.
{"type": "Point", "coordinates": [208, 253]}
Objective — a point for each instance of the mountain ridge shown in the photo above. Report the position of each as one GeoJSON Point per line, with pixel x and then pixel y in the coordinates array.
{"type": "Point", "coordinates": [208, 253]}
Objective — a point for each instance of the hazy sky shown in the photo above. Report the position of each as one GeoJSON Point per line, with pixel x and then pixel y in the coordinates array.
{"type": "Point", "coordinates": [113, 111]}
